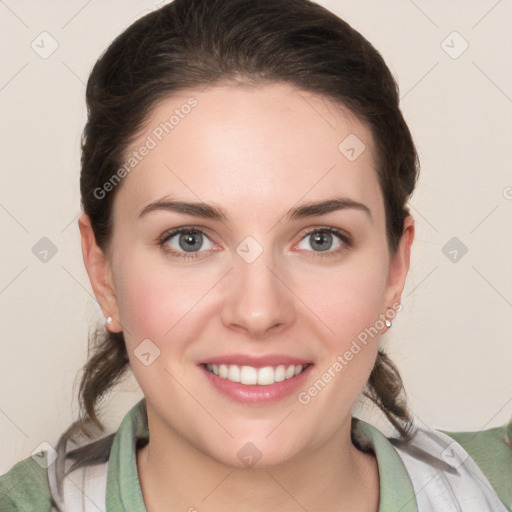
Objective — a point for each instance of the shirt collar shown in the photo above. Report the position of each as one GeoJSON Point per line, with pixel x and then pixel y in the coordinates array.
{"type": "Point", "coordinates": [123, 485]}
{"type": "Point", "coordinates": [396, 490]}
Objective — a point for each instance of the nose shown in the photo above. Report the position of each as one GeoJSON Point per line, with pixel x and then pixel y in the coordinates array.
{"type": "Point", "coordinates": [257, 301]}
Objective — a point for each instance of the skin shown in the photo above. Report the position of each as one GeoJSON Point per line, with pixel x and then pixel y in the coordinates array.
{"type": "Point", "coordinates": [256, 152]}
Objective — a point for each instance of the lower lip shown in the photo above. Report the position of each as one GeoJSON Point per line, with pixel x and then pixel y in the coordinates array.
{"type": "Point", "coordinates": [255, 394]}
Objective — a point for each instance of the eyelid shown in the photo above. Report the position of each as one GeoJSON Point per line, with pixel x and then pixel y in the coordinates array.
{"type": "Point", "coordinates": [171, 233]}
{"type": "Point", "coordinates": [330, 229]}
{"type": "Point", "coordinates": [345, 239]}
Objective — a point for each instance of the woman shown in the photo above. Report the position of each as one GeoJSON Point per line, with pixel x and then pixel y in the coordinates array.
{"type": "Point", "coordinates": [245, 173]}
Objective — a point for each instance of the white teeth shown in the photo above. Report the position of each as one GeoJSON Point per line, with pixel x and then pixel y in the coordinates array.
{"type": "Point", "coordinates": [266, 376]}
{"type": "Point", "coordinates": [280, 373]}
{"type": "Point", "coordinates": [215, 369]}
{"type": "Point", "coordinates": [223, 371]}
{"type": "Point", "coordinates": [234, 373]}
{"type": "Point", "coordinates": [249, 375]}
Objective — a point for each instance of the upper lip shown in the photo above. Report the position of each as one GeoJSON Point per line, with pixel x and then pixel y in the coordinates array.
{"type": "Point", "coordinates": [256, 361]}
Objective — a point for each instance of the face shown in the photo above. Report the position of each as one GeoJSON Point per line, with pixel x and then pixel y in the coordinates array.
{"type": "Point", "coordinates": [260, 285]}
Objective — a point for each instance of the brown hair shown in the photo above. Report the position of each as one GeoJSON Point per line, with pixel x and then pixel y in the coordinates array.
{"type": "Point", "coordinates": [190, 43]}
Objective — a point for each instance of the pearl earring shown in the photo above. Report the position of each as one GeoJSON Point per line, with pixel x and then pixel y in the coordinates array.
{"type": "Point", "coordinates": [388, 323]}
{"type": "Point", "coordinates": [109, 320]}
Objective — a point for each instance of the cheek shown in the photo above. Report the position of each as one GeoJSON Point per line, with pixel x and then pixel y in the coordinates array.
{"type": "Point", "coordinates": [348, 298]}
{"type": "Point", "coordinates": [349, 301]}
{"type": "Point", "coordinates": [162, 305]}
{"type": "Point", "coordinates": [154, 298]}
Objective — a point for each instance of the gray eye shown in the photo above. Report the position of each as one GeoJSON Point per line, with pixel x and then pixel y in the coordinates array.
{"type": "Point", "coordinates": [190, 241]}
{"type": "Point", "coordinates": [320, 240]}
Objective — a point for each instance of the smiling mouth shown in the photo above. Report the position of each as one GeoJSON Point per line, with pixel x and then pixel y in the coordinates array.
{"type": "Point", "coordinates": [250, 376]}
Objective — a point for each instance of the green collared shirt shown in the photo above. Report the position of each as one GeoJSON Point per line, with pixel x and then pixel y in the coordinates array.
{"type": "Point", "coordinates": [25, 486]}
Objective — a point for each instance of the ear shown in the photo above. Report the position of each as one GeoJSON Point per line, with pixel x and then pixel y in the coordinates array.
{"type": "Point", "coordinates": [399, 265]}
{"type": "Point", "coordinates": [100, 275]}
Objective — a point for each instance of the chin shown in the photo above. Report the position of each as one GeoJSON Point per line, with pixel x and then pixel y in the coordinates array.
{"type": "Point", "coordinates": [247, 454]}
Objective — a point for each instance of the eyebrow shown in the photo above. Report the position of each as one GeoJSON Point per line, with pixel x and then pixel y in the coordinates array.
{"type": "Point", "coordinates": [207, 211]}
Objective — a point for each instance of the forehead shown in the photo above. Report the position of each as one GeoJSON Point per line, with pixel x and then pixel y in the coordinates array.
{"type": "Point", "coordinates": [247, 145]}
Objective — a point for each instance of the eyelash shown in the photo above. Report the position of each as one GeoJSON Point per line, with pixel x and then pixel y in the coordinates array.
{"type": "Point", "coordinates": [344, 238]}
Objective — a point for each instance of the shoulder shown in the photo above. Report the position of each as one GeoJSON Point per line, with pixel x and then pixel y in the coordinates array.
{"type": "Point", "coordinates": [492, 455]}
{"type": "Point", "coordinates": [25, 487]}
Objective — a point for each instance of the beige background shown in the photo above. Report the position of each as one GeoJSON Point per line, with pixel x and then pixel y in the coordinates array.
{"type": "Point", "coordinates": [452, 342]}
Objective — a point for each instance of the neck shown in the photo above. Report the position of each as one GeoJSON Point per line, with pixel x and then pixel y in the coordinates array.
{"type": "Point", "coordinates": [334, 476]}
